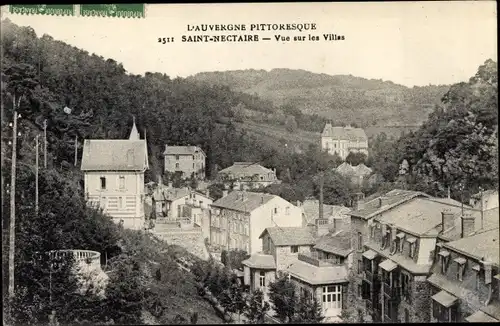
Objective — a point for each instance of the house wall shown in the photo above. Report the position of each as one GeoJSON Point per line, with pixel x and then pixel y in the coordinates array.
{"type": "Point", "coordinates": [270, 277]}
{"type": "Point", "coordinates": [125, 203]}
{"type": "Point", "coordinates": [284, 255]}
{"type": "Point", "coordinates": [420, 303]}
{"type": "Point", "coordinates": [342, 146]}
{"type": "Point", "coordinates": [239, 233]}
{"type": "Point", "coordinates": [188, 164]}
{"type": "Point", "coordinates": [265, 216]}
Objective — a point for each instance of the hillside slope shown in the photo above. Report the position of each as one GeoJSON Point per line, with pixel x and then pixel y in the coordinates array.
{"type": "Point", "coordinates": [341, 97]}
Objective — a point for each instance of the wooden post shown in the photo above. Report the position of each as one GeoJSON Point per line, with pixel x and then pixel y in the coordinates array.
{"type": "Point", "coordinates": [36, 177]}
{"type": "Point", "coordinates": [482, 208]}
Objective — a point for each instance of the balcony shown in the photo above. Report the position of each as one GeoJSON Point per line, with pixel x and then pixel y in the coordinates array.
{"type": "Point", "coordinates": [391, 291]}
{"type": "Point", "coordinates": [312, 258]}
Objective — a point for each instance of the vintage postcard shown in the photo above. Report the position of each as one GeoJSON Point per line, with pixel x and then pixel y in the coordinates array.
{"type": "Point", "coordinates": [250, 163]}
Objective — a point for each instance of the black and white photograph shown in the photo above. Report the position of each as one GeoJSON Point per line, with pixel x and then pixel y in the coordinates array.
{"type": "Point", "coordinates": [250, 163]}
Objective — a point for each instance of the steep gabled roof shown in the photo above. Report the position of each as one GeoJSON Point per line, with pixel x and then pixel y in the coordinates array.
{"type": "Point", "coordinates": [114, 155]}
{"type": "Point", "coordinates": [337, 243]}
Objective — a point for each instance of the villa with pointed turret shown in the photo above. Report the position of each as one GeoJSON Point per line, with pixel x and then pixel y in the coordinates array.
{"type": "Point", "coordinates": [343, 140]}
{"type": "Point", "coordinates": [114, 177]}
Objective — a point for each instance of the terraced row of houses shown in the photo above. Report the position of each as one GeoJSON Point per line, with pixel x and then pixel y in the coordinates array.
{"type": "Point", "coordinates": [401, 257]}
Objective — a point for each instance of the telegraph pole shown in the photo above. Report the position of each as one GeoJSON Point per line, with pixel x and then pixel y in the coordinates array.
{"type": "Point", "coordinates": [45, 143]}
{"type": "Point", "coordinates": [12, 226]}
{"type": "Point", "coordinates": [36, 177]}
{"type": "Point", "coordinates": [228, 240]}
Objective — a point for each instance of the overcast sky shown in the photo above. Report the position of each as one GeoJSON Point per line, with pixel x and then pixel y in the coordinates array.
{"type": "Point", "coordinates": [413, 43]}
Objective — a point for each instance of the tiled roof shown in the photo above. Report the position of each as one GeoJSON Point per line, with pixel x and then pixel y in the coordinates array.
{"type": "Point", "coordinates": [243, 201]}
{"type": "Point", "coordinates": [172, 194]}
{"type": "Point", "coordinates": [114, 155]}
{"type": "Point", "coordinates": [484, 244]}
{"type": "Point", "coordinates": [362, 169]}
{"type": "Point", "coordinates": [345, 169]}
{"type": "Point", "coordinates": [418, 216]}
{"type": "Point", "coordinates": [391, 199]}
{"type": "Point", "coordinates": [310, 207]}
{"type": "Point", "coordinates": [337, 243]}
{"type": "Point", "coordinates": [481, 317]}
{"type": "Point", "coordinates": [290, 236]}
{"type": "Point", "coordinates": [490, 221]}
{"type": "Point", "coordinates": [134, 134]}
{"type": "Point", "coordinates": [182, 150]}
{"type": "Point", "coordinates": [344, 133]}
{"type": "Point", "coordinates": [242, 169]}
{"type": "Point", "coordinates": [315, 275]}
{"type": "Point", "coordinates": [259, 260]}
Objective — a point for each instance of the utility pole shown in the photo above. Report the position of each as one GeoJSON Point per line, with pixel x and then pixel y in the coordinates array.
{"type": "Point", "coordinates": [36, 177]}
{"type": "Point", "coordinates": [45, 144]}
{"type": "Point", "coordinates": [76, 149]}
{"type": "Point", "coordinates": [12, 226]}
{"type": "Point", "coordinates": [321, 182]}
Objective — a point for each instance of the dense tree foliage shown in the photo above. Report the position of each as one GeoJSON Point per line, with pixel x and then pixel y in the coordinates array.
{"type": "Point", "coordinates": [234, 258]}
{"type": "Point", "coordinates": [283, 298]}
{"type": "Point", "coordinates": [257, 308]}
{"type": "Point", "coordinates": [456, 147]}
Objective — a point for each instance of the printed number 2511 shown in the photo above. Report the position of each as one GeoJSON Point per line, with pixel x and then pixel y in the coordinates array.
{"type": "Point", "coordinates": [164, 40]}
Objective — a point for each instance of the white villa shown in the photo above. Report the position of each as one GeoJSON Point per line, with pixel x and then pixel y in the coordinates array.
{"type": "Point", "coordinates": [114, 177]}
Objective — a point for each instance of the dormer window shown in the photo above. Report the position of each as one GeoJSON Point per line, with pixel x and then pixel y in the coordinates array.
{"type": "Point", "coordinates": [386, 233]}
{"type": "Point", "coordinates": [401, 242]}
{"type": "Point", "coordinates": [460, 264]}
{"type": "Point", "coordinates": [444, 255]}
{"type": "Point", "coordinates": [477, 269]}
{"type": "Point", "coordinates": [412, 242]}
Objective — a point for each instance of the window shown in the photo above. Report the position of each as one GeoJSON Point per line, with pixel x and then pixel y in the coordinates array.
{"type": "Point", "coordinates": [332, 297]}
{"type": "Point", "coordinates": [193, 165]}
{"type": "Point", "coordinates": [365, 290]}
{"type": "Point", "coordinates": [360, 241]}
{"type": "Point", "coordinates": [390, 309]}
{"type": "Point", "coordinates": [103, 182]}
{"type": "Point", "coordinates": [360, 266]}
{"type": "Point", "coordinates": [443, 314]}
{"type": "Point", "coordinates": [386, 276]}
{"type": "Point", "coordinates": [407, 316]}
{"type": "Point", "coordinates": [276, 210]}
{"type": "Point", "coordinates": [477, 269]}
{"type": "Point", "coordinates": [444, 260]}
{"type": "Point", "coordinates": [405, 286]}
{"type": "Point", "coordinates": [295, 249]}
{"type": "Point", "coordinates": [176, 165]}
{"type": "Point", "coordinates": [121, 182]}
{"type": "Point", "coordinates": [287, 211]}
{"type": "Point", "coordinates": [367, 264]}
{"type": "Point", "coordinates": [412, 250]}
{"type": "Point", "coordinates": [120, 202]}
{"type": "Point", "coordinates": [177, 157]}
{"type": "Point", "coordinates": [385, 238]}
{"type": "Point", "coordinates": [262, 279]}
{"type": "Point", "coordinates": [193, 159]}
{"type": "Point", "coordinates": [460, 267]}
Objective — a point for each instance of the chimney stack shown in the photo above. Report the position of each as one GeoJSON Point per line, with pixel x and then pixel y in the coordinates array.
{"type": "Point", "coordinates": [447, 219]}
{"type": "Point", "coordinates": [322, 227]}
{"type": "Point", "coordinates": [170, 184]}
{"type": "Point", "coordinates": [358, 201]}
{"type": "Point", "coordinates": [299, 203]}
{"type": "Point", "coordinates": [207, 192]}
{"type": "Point", "coordinates": [338, 224]}
{"type": "Point", "coordinates": [224, 193]}
{"type": "Point", "coordinates": [467, 225]}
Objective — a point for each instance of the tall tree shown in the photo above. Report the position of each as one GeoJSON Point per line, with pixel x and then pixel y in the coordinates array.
{"type": "Point", "coordinates": [256, 308]}
{"type": "Point", "coordinates": [309, 310]}
{"type": "Point", "coordinates": [282, 296]}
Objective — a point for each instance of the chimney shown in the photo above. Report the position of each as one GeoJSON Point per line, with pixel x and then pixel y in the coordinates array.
{"type": "Point", "coordinates": [159, 179]}
{"type": "Point", "coordinates": [243, 195]}
{"type": "Point", "coordinates": [262, 199]}
{"type": "Point", "coordinates": [467, 225]}
{"type": "Point", "coordinates": [358, 201]}
{"type": "Point", "coordinates": [322, 227]}
{"type": "Point", "coordinates": [170, 184]}
{"type": "Point", "coordinates": [207, 192]}
{"type": "Point", "coordinates": [224, 193]}
{"type": "Point", "coordinates": [447, 219]}
{"type": "Point", "coordinates": [299, 203]}
{"type": "Point", "coordinates": [338, 224]}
